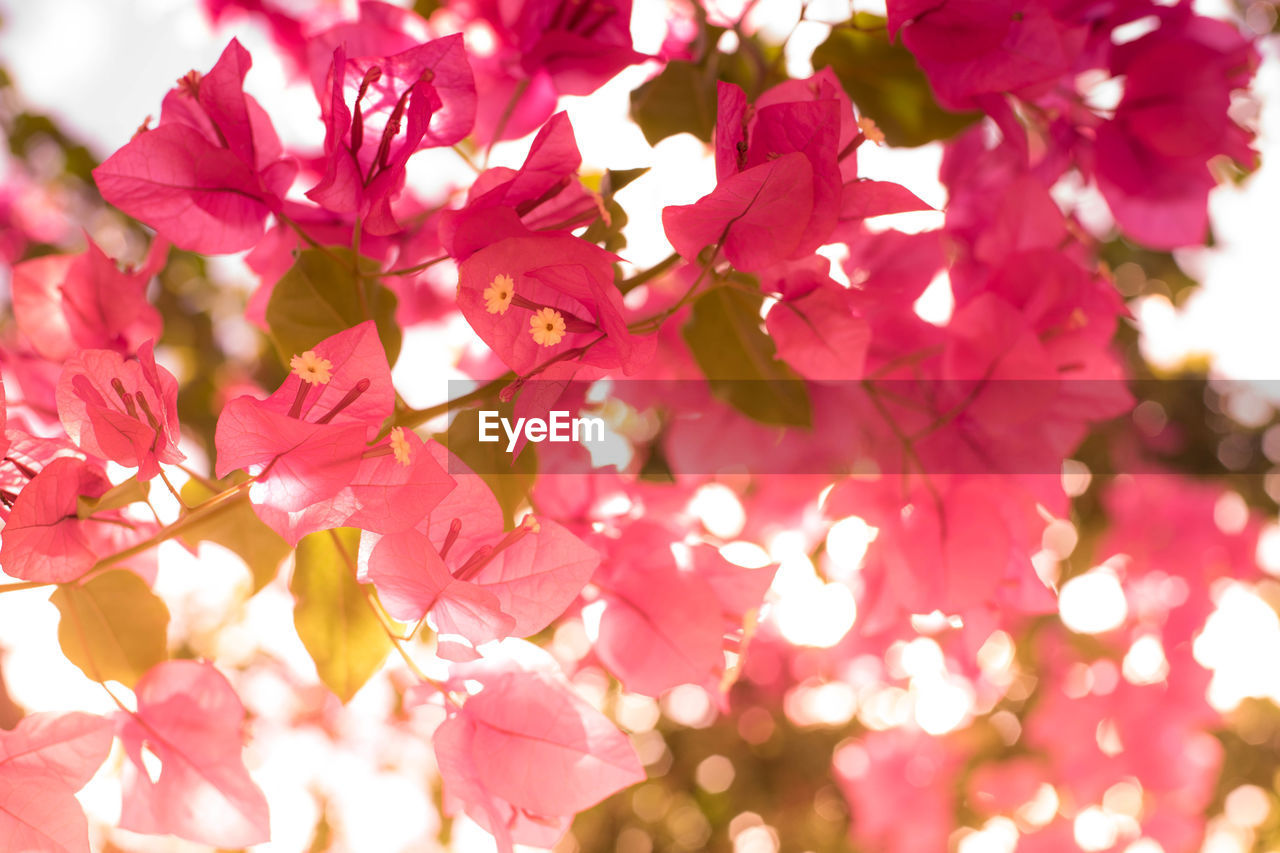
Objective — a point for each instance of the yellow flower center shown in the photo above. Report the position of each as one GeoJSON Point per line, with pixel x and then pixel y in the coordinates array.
{"type": "Point", "coordinates": [311, 368]}
{"type": "Point", "coordinates": [870, 130]}
{"type": "Point", "coordinates": [400, 446]}
{"type": "Point", "coordinates": [547, 327]}
{"type": "Point", "coordinates": [497, 296]}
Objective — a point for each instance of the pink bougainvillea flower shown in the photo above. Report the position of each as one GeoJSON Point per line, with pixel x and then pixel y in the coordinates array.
{"type": "Point", "coordinates": [786, 172]}
{"type": "Point", "coordinates": [663, 625]}
{"type": "Point", "coordinates": [66, 303]}
{"type": "Point", "coordinates": [865, 198]}
{"type": "Point", "coordinates": [548, 299]}
{"type": "Point", "coordinates": [43, 762]}
{"type": "Point", "coordinates": [966, 544]}
{"type": "Point", "coordinates": [476, 582]}
{"type": "Point", "coordinates": [525, 754]}
{"type": "Point", "coordinates": [820, 334]}
{"type": "Point", "coordinates": [125, 411]}
{"type": "Point", "coordinates": [970, 48]}
{"type": "Point", "coordinates": [540, 50]}
{"type": "Point", "coordinates": [543, 195]}
{"type": "Point", "coordinates": [1152, 156]}
{"type": "Point", "coordinates": [44, 538]}
{"type": "Point", "coordinates": [309, 444]}
{"type": "Point", "coordinates": [396, 483]}
{"type": "Point", "coordinates": [190, 719]}
{"type": "Point", "coordinates": [378, 111]}
{"type": "Point", "coordinates": [209, 174]}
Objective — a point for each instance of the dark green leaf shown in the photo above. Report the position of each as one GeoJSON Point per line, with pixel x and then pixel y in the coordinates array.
{"type": "Point", "coordinates": [607, 230]}
{"type": "Point", "coordinates": [616, 179]}
{"type": "Point", "coordinates": [318, 297]}
{"type": "Point", "coordinates": [885, 82]}
{"type": "Point", "coordinates": [738, 359]}
{"type": "Point", "coordinates": [113, 627]}
{"type": "Point", "coordinates": [682, 99]}
{"type": "Point", "coordinates": [608, 234]}
{"type": "Point", "coordinates": [334, 620]}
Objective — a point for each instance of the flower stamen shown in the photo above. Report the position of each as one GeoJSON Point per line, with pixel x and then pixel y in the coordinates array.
{"type": "Point", "coordinates": [547, 327]}
{"type": "Point", "coordinates": [400, 446]}
{"type": "Point", "coordinates": [870, 130]}
{"type": "Point", "coordinates": [350, 397]}
{"type": "Point", "coordinates": [311, 368]}
{"type": "Point", "coordinates": [499, 293]}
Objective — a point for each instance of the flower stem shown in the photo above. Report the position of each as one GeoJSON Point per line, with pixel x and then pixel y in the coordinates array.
{"type": "Point", "coordinates": [629, 284]}
{"type": "Point", "coordinates": [417, 417]}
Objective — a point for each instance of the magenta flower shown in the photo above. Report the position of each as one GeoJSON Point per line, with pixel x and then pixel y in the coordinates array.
{"type": "Point", "coordinates": [971, 48]}
{"type": "Point", "coordinates": [378, 111]}
{"type": "Point", "coordinates": [1152, 155]}
{"type": "Point", "coordinates": [543, 195]}
{"type": "Point", "coordinates": [547, 299]}
{"type": "Point", "coordinates": [786, 168]}
{"type": "Point", "coordinates": [209, 174]}
{"type": "Point", "coordinates": [44, 538]}
{"type": "Point", "coordinates": [545, 48]}
{"type": "Point", "coordinates": [309, 444]}
{"type": "Point", "coordinates": [67, 303]}
{"type": "Point", "coordinates": [125, 411]}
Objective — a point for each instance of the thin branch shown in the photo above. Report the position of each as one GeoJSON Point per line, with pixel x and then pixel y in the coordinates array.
{"type": "Point", "coordinates": [417, 417]}
{"type": "Point", "coordinates": [629, 284]}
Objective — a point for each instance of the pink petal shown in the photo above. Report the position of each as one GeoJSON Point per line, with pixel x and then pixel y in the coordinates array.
{"type": "Point", "coordinates": [191, 719]}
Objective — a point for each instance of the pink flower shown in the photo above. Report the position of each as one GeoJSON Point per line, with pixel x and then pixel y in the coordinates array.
{"type": "Point", "coordinates": [544, 195]}
{"type": "Point", "coordinates": [66, 303]}
{"type": "Point", "coordinates": [544, 48]}
{"type": "Point", "coordinates": [378, 111]}
{"type": "Point", "coordinates": [190, 720]}
{"type": "Point", "coordinates": [1151, 157]}
{"type": "Point", "coordinates": [44, 537]}
{"type": "Point", "coordinates": [125, 411]}
{"type": "Point", "coordinates": [209, 174]}
{"type": "Point", "coordinates": [562, 308]}
{"type": "Point", "coordinates": [310, 444]}
{"type": "Point", "coordinates": [43, 762]}
{"type": "Point", "coordinates": [477, 582]}
{"type": "Point", "coordinates": [525, 754]}
{"type": "Point", "coordinates": [785, 166]}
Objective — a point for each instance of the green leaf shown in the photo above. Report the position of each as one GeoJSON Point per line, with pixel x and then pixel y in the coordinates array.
{"type": "Point", "coordinates": [130, 491]}
{"type": "Point", "coordinates": [334, 620]}
{"type": "Point", "coordinates": [510, 481]}
{"type": "Point", "coordinates": [318, 297]}
{"type": "Point", "coordinates": [237, 529]}
{"type": "Point", "coordinates": [682, 99]}
{"type": "Point", "coordinates": [885, 82]}
{"type": "Point", "coordinates": [113, 627]}
{"type": "Point", "coordinates": [609, 233]}
{"type": "Point", "coordinates": [616, 179]}
{"type": "Point", "coordinates": [738, 359]}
